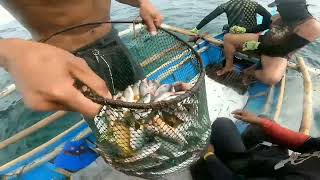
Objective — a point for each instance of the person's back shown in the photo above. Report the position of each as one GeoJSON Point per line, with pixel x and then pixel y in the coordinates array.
{"type": "Point", "coordinates": [241, 13]}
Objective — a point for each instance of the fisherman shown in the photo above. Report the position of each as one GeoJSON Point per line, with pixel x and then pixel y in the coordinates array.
{"type": "Point", "coordinates": [261, 153]}
{"type": "Point", "coordinates": [242, 17]}
{"type": "Point", "coordinates": [46, 68]}
{"type": "Point", "coordinates": [294, 28]}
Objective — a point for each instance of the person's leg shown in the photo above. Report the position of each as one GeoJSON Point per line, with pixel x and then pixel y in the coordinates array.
{"type": "Point", "coordinates": [273, 69]}
{"type": "Point", "coordinates": [226, 139]}
{"type": "Point", "coordinates": [253, 135]}
{"type": "Point", "coordinates": [232, 43]}
{"type": "Point", "coordinates": [199, 170]}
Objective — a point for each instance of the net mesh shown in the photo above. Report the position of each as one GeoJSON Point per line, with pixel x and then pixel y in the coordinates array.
{"type": "Point", "coordinates": [151, 139]}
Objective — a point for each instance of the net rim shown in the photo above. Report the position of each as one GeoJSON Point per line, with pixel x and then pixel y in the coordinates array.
{"type": "Point", "coordinates": [161, 104]}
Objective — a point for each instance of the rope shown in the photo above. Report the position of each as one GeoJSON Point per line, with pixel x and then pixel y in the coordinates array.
{"type": "Point", "coordinates": [91, 24]}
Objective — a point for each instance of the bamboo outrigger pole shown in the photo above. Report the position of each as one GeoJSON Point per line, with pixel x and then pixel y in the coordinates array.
{"type": "Point", "coordinates": [306, 121]}
{"type": "Point", "coordinates": [189, 33]}
{"type": "Point", "coordinates": [26, 132]}
{"type": "Point", "coordinates": [280, 99]}
{"type": "Point", "coordinates": [268, 105]}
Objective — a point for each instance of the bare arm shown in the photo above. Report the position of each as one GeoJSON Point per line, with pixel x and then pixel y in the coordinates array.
{"type": "Point", "coordinates": [280, 135]}
{"type": "Point", "coordinates": [151, 16]}
{"type": "Point", "coordinates": [45, 76]}
{"type": "Point", "coordinates": [215, 13]}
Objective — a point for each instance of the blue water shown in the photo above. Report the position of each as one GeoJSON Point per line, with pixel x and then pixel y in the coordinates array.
{"type": "Point", "coordinates": [14, 116]}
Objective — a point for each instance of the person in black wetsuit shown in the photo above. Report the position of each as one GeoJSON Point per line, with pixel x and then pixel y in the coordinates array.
{"type": "Point", "coordinates": [242, 13]}
{"type": "Point", "coordinates": [253, 156]}
{"type": "Point", "coordinates": [294, 28]}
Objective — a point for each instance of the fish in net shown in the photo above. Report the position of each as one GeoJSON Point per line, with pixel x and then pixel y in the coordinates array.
{"type": "Point", "coordinates": [159, 124]}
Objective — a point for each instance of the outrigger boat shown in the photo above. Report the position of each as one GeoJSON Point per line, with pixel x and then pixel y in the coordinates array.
{"type": "Point", "coordinates": [38, 163]}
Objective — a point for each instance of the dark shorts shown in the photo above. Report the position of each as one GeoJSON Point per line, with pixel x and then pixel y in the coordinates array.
{"type": "Point", "coordinates": [109, 58]}
{"type": "Point", "coordinates": [243, 154]}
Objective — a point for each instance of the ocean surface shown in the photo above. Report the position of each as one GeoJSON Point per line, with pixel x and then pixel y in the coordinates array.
{"type": "Point", "coordinates": [14, 116]}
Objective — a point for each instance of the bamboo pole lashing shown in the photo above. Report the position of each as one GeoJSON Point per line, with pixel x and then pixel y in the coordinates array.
{"type": "Point", "coordinates": [26, 132]}
{"type": "Point", "coordinates": [306, 121]}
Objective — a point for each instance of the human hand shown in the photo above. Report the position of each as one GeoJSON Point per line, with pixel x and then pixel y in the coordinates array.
{"type": "Point", "coordinates": [193, 38]}
{"type": "Point", "coordinates": [238, 30]}
{"type": "Point", "coordinates": [210, 148]}
{"type": "Point", "coordinates": [250, 45]}
{"type": "Point", "coordinates": [45, 75]}
{"type": "Point", "coordinates": [151, 16]}
{"type": "Point", "coordinates": [246, 116]}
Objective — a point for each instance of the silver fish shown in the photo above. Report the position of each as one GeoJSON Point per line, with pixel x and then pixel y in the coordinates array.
{"type": "Point", "coordinates": [152, 129]}
{"type": "Point", "coordinates": [144, 88]}
{"type": "Point", "coordinates": [117, 96]}
{"type": "Point", "coordinates": [170, 97]}
{"type": "Point", "coordinates": [178, 154]}
{"type": "Point", "coordinates": [136, 91]}
{"type": "Point", "coordinates": [179, 92]}
{"type": "Point", "coordinates": [166, 131]}
{"type": "Point", "coordinates": [100, 123]}
{"type": "Point", "coordinates": [162, 89]}
{"type": "Point", "coordinates": [192, 134]}
{"type": "Point", "coordinates": [205, 136]}
{"type": "Point", "coordinates": [136, 138]}
{"type": "Point", "coordinates": [123, 99]}
{"type": "Point", "coordinates": [113, 115]}
{"type": "Point", "coordinates": [159, 157]}
{"type": "Point", "coordinates": [145, 99]}
{"type": "Point", "coordinates": [184, 126]}
{"type": "Point", "coordinates": [141, 113]}
{"type": "Point", "coordinates": [183, 116]}
{"type": "Point", "coordinates": [153, 86]}
{"type": "Point", "coordinates": [164, 96]}
{"type": "Point", "coordinates": [128, 94]}
{"type": "Point", "coordinates": [143, 152]}
{"type": "Point", "coordinates": [168, 147]}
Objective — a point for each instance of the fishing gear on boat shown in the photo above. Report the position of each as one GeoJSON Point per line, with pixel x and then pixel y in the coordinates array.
{"type": "Point", "coordinates": [159, 124]}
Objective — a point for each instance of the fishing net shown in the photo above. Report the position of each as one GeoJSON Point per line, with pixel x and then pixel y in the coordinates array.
{"type": "Point", "coordinates": [157, 132]}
